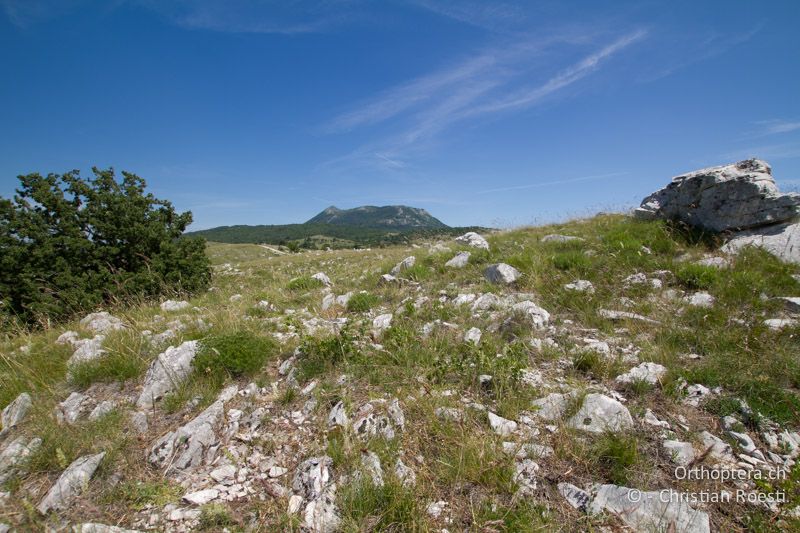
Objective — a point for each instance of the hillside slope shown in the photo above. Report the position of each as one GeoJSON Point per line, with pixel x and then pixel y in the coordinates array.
{"type": "Point", "coordinates": [435, 399]}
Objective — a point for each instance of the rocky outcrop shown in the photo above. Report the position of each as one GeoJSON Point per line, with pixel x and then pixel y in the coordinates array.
{"type": "Point", "coordinates": [731, 197]}
{"type": "Point", "coordinates": [781, 240]}
{"type": "Point", "coordinates": [168, 371]}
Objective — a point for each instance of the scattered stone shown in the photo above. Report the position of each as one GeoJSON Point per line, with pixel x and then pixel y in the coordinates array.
{"type": "Point", "coordinates": [387, 279]}
{"type": "Point", "coordinates": [580, 285]}
{"type": "Point", "coordinates": [168, 371]}
{"type": "Point", "coordinates": [501, 426]}
{"type": "Point", "coordinates": [625, 315]}
{"type": "Point", "coordinates": [777, 324]}
{"type": "Point", "coordinates": [449, 413]}
{"type": "Point", "coordinates": [71, 409]}
{"type": "Point", "coordinates": [404, 474]}
{"type": "Point", "coordinates": [700, 299]}
{"type": "Point", "coordinates": [312, 477]}
{"type": "Point", "coordinates": [680, 453]}
{"type": "Point", "coordinates": [648, 372]}
{"type": "Point", "coordinates": [372, 467]}
{"type": "Point", "coordinates": [599, 414]}
{"type": "Point", "coordinates": [651, 419]}
{"type": "Point", "coordinates": [68, 337]}
{"type": "Point", "coordinates": [460, 260]}
{"type": "Point", "coordinates": [473, 240]}
{"type": "Point", "coordinates": [714, 262]}
{"type": "Point", "coordinates": [435, 509]}
{"type": "Point", "coordinates": [403, 265]}
{"type": "Point", "coordinates": [15, 412]}
{"type": "Point", "coordinates": [576, 497]}
{"type": "Point", "coordinates": [560, 238]}
{"type": "Point", "coordinates": [91, 527]}
{"type": "Point", "coordinates": [295, 502]}
{"type": "Point", "coordinates": [14, 454]}
{"type": "Point", "coordinates": [463, 299]}
{"type": "Point", "coordinates": [487, 301]}
{"type": "Point", "coordinates": [535, 315]}
{"type": "Point", "coordinates": [501, 273]}
{"type": "Point", "coordinates": [139, 422]}
{"type": "Point", "coordinates": [473, 335]}
{"type": "Point", "coordinates": [102, 409]}
{"type": "Point", "coordinates": [649, 511]}
{"type": "Point", "coordinates": [71, 483]}
{"type": "Point", "coordinates": [87, 350]}
{"type": "Point", "coordinates": [338, 416]}
{"type": "Point", "coordinates": [553, 406]}
{"type": "Point", "coordinates": [525, 473]}
{"type": "Point", "coordinates": [175, 305]}
{"type": "Point", "coordinates": [381, 323]}
{"type": "Point", "coordinates": [201, 497]}
{"type": "Point", "coordinates": [101, 322]}
{"type": "Point", "coordinates": [321, 514]}
{"type": "Point", "coordinates": [223, 474]}
{"type": "Point", "coordinates": [322, 278]}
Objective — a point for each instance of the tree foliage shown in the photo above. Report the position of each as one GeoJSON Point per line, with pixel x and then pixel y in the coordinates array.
{"type": "Point", "coordinates": [68, 244]}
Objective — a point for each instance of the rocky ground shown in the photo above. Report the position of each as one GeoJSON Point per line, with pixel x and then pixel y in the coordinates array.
{"type": "Point", "coordinates": [606, 374]}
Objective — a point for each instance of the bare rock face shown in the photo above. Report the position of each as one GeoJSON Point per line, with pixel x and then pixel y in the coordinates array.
{"type": "Point", "coordinates": [165, 373]}
{"type": "Point", "coordinates": [738, 196]}
{"type": "Point", "coordinates": [781, 240]}
{"type": "Point", "coordinates": [71, 483]}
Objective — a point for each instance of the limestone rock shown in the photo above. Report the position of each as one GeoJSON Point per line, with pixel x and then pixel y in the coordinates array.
{"type": "Point", "coordinates": [168, 371]}
{"type": "Point", "coordinates": [193, 443]}
{"type": "Point", "coordinates": [101, 322]}
{"type": "Point", "coordinates": [781, 240]}
{"type": "Point", "coordinates": [473, 240]}
{"type": "Point", "coordinates": [553, 406]}
{"type": "Point", "coordinates": [680, 453]}
{"type": "Point", "coordinates": [201, 497]}
{"type": "Point", "coordinates": [648, 372]}
{"type": "Point", "coordinates": [174, 305]}
{"type": "Point", "coordinates": [15, 412]}
{"type": "Point", "coordinates": [738, 196]}
{"type": "Point", "coordinates": [312, 477]}
{"type": "Point", "coordinates": [403, 265]}
{"type": "Point", "coordinates": [322, 278]}
{"type": "Point", "coordinates": [71, 483]}
{"type": "Point", "coordinates": [460, 260]}
{"type": "Point", "coordinates": [560, 238]}
{"type": "Point", "coordinates": [381, 323]}
{"type": "Point", "coordinates": [101, 528]}
{"type": "Point", "coordinates": [599, 414]}
{"type": "Point", "coordinates": [652, 511]}
{"type": "Point", "coordinates": [87, 350]}
{"type": "Point", "coordinates": [501, 426]}
{"type": "Point", "coordinates": [75, 406]}
{"type": "Point", "coordinates": [473, 335]}
{"type": "Point", "coordinates": [580, 285]}
{"type": "Point", "coordinates": [535, 315]}
{"type": "Point", "coordinates": [14, 455]}
{"type": "Point", "coordinates": [700, 299]}
{"type": "Point", "coordinates": [576, 497]}
{"type": "Point", "coordinates": [501, 273]}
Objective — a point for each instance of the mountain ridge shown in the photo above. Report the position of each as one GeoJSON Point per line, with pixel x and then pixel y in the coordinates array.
{"type": "Point", "coordinates": [389, 216]}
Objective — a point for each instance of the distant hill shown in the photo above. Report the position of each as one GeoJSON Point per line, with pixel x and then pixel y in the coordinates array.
{"type": "Point", "coordinates": [366, 226]}
{"type": "Point", "coordinates": [388, 216]}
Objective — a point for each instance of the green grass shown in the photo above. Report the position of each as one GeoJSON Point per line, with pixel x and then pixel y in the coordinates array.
{"type": "Point", "coordinates": [138, 495]}
{"type": "Point", "coordinates": [365, 507]}
{"type": "Point", "coordinates": [303, 283]}
{"type": "Point", "coordinates": [235, 354]}
{"type": "Point", "coordinates": [362, 302]}
{"type": "Point", "coordinates": [322, 355]}
{"type": "Point", "coordinates": [616, 456]}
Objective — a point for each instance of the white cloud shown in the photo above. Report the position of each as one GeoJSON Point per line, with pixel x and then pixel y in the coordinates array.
{"type": "Point", "coordinates": [777, 126]}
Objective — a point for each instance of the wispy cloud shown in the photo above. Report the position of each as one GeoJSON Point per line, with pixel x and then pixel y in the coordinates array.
{"type": "Point", "coordinates": [593, 177]}
{"type": "Point", "coordinates": [787, 150]}
{"type": "Point", "coordinates": [776, 126]}
{"type": "Point", "coordinates": [491, 82]}
{"type": "Point", "coordinates": [487, 15]}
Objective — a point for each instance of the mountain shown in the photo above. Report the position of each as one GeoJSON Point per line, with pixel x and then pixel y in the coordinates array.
{"type": "Point", "coordinates": [364, 226]}
{"type": "Point", "coordinates": [388, 216]}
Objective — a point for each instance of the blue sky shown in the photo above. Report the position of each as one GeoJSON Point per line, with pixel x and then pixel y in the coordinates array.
{"type": "Point", "coordinates": [490, 113]}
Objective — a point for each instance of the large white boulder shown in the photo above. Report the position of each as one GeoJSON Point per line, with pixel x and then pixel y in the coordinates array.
{"type": "Point", "coordinates": [781, 240]}
{"type": "Point", "coordinates": [738, 196]}
{"type": "Point", "coordinates": [101, 322]}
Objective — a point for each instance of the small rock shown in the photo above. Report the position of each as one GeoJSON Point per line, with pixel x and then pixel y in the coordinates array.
{"type": "Point", "coordinates": [576, 497]}
{"type": "Point", "coordinates": [700, 299]}
{"type": "Point", "coordinates": [501, 426]}
{"type": "Point", "coordinates": [501, 273]}
{"type": "Point", "coordinates": [460, 260]}
{"type": "Point", "coordinates": [167, 372]}
{"type": "Point", "coordinates": [15, 412]}
{"type": "Point", "coordinates": [560, 238]}
{"type": "Point", "coordinates": [101, 322]}
{"type": "Point", "coordinates": [680, 453]}
{"type": "Point", "coordinates": [473, 335]}
{"type": "Point", "coordinates": [175, 305]}
{"type": "Point", "coordinates": [580, 285]}
{"type": "Point", "coordinates": [648, 372]}
{"type": "Point", "coordinates": [201, 497]}
{"type": "Point", "coordinates": [599, 414]}
{"type": "Point", "coordinates": [322, 278]}
{"type": "Point", "coordinates": [102, 409]}
{"type": "Point", "coordinates": [403, 265]}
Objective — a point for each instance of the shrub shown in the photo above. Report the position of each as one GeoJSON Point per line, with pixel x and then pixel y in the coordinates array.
{"type": "Point", "coordinates": [361, 302]}
{"type": "Point", "coordinates": [237, 354]}
{"type": "Point", "coordinates": [69, 244]}
{"type": "Point", "coordinates": [319, 355]}
{"type": "Point", "coordinates": [303, 283]}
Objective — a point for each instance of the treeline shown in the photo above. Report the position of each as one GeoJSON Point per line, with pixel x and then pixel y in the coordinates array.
{"type": "Point", "coordinates": [304, 235]}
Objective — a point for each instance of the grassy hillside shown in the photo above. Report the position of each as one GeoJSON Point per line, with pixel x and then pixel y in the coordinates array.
{"type": "Point", "coordinates": [262, 309]}
{"type": "Point", "coordinates": [318, 236]}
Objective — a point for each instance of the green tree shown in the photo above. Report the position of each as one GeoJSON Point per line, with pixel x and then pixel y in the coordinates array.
{"type": "Point", "coordinates": [68, 244]}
